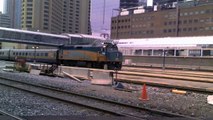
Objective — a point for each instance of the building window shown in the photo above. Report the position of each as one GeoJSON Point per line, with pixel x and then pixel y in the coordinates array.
{"type": "Point", "coordinates": [174, 30]}
{"type": "Point", "coordinates": [28, 26]}
{"type": "Point", "coordinates": [29, 22]}
{"type": "Point", "coordinates": [202, 20]}
{"type": "Point", "coordinates": [202, 12]}
{"type": "Point", "coordinates": [207, 28]}
{"type": "Point", "coordinates": [208, 11]}
{"type": "Point", "coordinates": [195, 20]}
{"type": "Point", "coordinates": [191, 13]}
{"type": "Point", "coordinates": [201, 28]}
{"type": "Point", "coordinates": [174, 22]}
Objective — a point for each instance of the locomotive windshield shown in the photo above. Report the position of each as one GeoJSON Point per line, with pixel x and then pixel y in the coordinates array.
{"type": "Point", "coordinates": [110, 47]}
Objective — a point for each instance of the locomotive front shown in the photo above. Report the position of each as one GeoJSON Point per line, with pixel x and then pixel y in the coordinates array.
{"type": "Point", "coordinates": [114, 57]}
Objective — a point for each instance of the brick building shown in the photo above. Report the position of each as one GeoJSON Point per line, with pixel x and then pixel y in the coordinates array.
{"type": "Point", "coordinates": [189, 19]}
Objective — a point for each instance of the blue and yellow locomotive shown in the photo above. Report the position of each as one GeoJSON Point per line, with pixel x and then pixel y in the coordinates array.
{"type": "Point", "coordinates": [104, 55]}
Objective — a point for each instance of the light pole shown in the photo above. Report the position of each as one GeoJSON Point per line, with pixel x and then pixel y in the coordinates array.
{"type": "Point", "coordinates": [35, 47]}
{"type": "Point", "coordinates": [177, 18]}
{"type": "Point", "coordinates": [164, 58]}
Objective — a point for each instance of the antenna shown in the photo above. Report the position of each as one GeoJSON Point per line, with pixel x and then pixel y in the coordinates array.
{"type": "Point", "coordinates": [103, 29]}
{"type": "Point", "coordinates": [104, 11]}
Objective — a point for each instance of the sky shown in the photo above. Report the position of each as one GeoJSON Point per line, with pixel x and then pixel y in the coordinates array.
{"type": "Point", "coordinates": [97, 13]}
{"type": "Point", "coordinates": [1, 5]}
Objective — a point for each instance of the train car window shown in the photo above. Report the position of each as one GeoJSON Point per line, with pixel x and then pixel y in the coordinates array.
{"type": "Point", "coordinates": [23, 54]}
{"type": "Point", "coordinates": [26, 54]}
{"type": "Point", "coordinates": [37, 54]}
{"type": "Point", "coordinates": [46, 54]}
{"type": "Point", "coordinates": [19, 54]}
{"type": "Point", "coordinates": [13, 53]}
{"type": "Point", "coordinates": [79, 47]}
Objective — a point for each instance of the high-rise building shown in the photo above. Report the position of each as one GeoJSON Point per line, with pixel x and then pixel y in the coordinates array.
{"type": "Point", "coordinates": [56, 16]}
{"type": "Point", "coordinates": [76, 16]}
{"type": "Point", "coordinates": [42, 15]}
{"type": "Point", "coordinates": [4, 20]}
{"type": "Point", "coordinates": [13, 9]}
{"type": "Point", "coordinates": [128, 3]}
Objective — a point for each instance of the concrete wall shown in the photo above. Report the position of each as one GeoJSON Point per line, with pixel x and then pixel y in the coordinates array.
{"type": "Point", "coordinates": [189, 61]}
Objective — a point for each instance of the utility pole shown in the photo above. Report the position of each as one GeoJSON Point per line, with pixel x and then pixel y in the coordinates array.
{"type": "Point", "coordinates": [177, 18]}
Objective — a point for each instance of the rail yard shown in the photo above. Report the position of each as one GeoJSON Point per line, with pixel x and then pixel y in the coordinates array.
{"type": "Point", "coordinates": [27, 95]}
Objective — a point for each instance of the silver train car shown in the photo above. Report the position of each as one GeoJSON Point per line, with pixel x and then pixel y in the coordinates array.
{"type": "Point", "coordinates": [39, 55]}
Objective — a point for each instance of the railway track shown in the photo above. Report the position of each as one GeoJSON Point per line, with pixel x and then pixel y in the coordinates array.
{"type": "Point", "coordinates": [171, 72]}
{"type": "Point", "coordinates": [95, 103]}
{"type": "Point", "coordinates": [187, 80]}
{"type": "Point", "coordinates": [8, 116]}
{"type": "Point", "coordinates": [166, 76]}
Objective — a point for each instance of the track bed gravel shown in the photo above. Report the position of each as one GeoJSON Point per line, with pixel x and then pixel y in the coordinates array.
{"type": "Point", "coordinates": [190, 104]}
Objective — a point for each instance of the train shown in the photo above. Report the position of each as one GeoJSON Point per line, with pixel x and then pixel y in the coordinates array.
{"type": "Point", "coordinates": [101, 54]}
{"type": "Point", "coordinates": [67, 49]}
{"type": "Point", "coordinates": [199, 46]}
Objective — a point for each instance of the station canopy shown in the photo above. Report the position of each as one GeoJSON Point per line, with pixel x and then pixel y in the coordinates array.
{"type": "Point", "coordinates": [168, 42]}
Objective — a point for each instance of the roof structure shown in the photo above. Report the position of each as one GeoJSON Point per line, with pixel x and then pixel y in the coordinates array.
{"type": "Point", "coordinates": [165, 42]}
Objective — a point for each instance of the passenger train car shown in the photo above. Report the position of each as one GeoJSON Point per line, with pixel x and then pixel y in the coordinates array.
{"type": "Point", "coordinates": [174, 46]}
{"type": "Point", "coordinates": [99, 55]}
{"type": "Point", "coordinates": [40, 55]}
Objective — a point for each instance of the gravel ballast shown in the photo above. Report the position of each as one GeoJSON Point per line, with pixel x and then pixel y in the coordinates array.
{"type": "Point", "coordinates": [190, 104]}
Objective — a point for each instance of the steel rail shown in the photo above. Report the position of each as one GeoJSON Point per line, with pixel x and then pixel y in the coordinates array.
{"type": "Point", "coordinates": [176, 77]}
{"type": "Point", "coordinates": [169, 72]}
{"type": "Point", "coordinates": [10, 115]}
{"type": "Point", "coordinates": [170, 68]}
{"type": "Point", "coordinates": [151, 111]}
